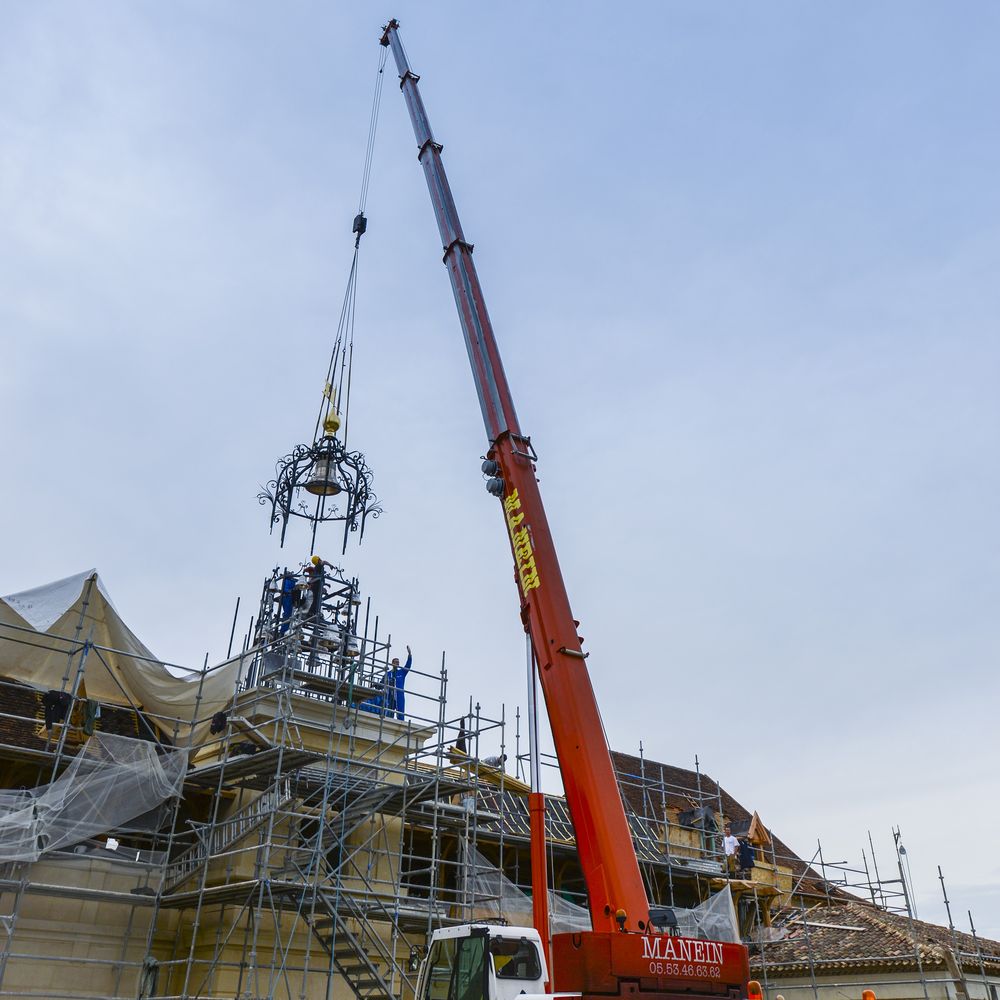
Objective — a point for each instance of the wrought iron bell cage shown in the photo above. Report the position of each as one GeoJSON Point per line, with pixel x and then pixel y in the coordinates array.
{"type": "Point", "coordinates": [322, 482]}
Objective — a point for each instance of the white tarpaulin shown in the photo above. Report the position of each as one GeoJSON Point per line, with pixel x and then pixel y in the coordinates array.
{"type": "Point", "coordinates": [113, 780]}
{"type": "Point", "coordinates": [71, 611]}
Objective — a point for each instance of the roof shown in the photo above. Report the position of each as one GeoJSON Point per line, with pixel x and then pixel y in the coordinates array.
{"type": "Point", "coordinates": [650, 787]}
{"type": "Point", "coordinates": [506, 812]}
{"type": "Point", "coordinates": [674, 786]}
{"type": "Point", "coordinates": [856, 935]}
{"type": "Point", "coordinates": [22, 724]}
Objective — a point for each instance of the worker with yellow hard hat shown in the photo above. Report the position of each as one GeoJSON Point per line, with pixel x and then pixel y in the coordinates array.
{"type": "Point", "coordinates": [315, 583]}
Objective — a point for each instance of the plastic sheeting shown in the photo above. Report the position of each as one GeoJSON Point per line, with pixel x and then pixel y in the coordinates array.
{"type": "Point", "coordinates": [492, 896]}
{"type": "Point", "coordinates": [113, 780]}
{"type": "Point", "coordinates": [123, 672]}
{"type": "Point", "coordinates": [713, 920]}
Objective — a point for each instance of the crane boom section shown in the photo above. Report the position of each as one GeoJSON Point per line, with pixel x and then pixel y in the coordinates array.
{"type": "Point", "coordinates": [604, 841]}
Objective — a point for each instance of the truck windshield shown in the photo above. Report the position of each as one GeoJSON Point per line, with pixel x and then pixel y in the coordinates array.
{"type": "Point", "coordinates": [456, 970]}
{"type": "Point", "coordinates": [515, 958]}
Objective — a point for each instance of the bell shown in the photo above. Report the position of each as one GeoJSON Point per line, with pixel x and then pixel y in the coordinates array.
{"type": "Point", "coordinates": [323, 482]}
{"type": "Point", "coordinates": [351, 648]}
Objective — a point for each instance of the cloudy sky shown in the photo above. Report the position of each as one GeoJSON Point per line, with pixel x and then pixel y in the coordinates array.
{"type": "Point", "coordinates": [742, 261]}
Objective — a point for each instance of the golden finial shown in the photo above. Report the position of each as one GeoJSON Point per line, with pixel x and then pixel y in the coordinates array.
{"type": "Point", "coordinates": [332, 423]}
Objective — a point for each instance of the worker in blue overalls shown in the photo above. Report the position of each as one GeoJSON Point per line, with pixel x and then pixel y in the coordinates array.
{"type": "Point", "coordinates": [391, 702]}
{"type": "Point", "coordinates": [286, 601]}
{"type": "Point", "coordinates": [395, 678]}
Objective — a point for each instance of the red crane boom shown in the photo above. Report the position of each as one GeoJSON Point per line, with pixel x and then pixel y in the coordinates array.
{"type": "Point", "coordinates": [604, 841]}
{"type": "Point", "coordinates": [608, 960]}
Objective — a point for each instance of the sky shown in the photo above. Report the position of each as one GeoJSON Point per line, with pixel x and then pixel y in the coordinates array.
{"type": "Point", "coordinates": [741, 261]}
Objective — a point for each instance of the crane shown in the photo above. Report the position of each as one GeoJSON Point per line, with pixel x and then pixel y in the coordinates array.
{"type": "Point", "coordinates": [623, 953]}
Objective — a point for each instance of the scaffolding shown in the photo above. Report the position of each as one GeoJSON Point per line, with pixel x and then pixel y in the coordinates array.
{"type": "Point", "coordinates": [322, 833]}
{"type": "Point", "coordinates": [319, 837]}
{"type": "Point", "coordinates": [802, 919]}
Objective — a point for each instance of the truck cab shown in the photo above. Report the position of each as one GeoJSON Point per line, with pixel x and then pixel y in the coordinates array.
{"type": "Point", "coordinates": [482, 962]}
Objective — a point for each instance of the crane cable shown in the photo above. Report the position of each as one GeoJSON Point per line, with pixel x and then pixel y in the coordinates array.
{"type": "Point", "coordinates": [342, 355]}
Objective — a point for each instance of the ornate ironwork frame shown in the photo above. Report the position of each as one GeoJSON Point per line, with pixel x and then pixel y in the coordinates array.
{"type": "Point", "coordinates": [287, 495]}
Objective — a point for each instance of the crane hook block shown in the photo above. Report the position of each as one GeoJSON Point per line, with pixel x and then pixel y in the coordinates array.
{"type": "Point", "coordinates": [360, 224]}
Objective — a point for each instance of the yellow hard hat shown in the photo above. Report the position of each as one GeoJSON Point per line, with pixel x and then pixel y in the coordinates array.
{"type": "Point", "coordinates": [316, 560]}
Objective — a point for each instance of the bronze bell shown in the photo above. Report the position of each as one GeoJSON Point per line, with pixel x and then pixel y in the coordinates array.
{"type": "Point", "coordinates": [323, 481]}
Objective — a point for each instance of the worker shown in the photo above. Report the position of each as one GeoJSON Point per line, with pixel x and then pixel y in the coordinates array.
{"type": "Point", "coordinates": [375, 704]}
{"type": "Point", "coordinates": [730, 846]}
{"type": "Point", "coordinates": [497, 762]}
{"type": "Point", "coordinates": [316, 583]}
{"type": "Point", "coordinates": [395, 678]}
{"type": "Point", "coordinates": [286, 600]}
{"type": "Point", "coordinates": [391, 701]}
{"type": "Point", "coordinates": [746, 855]}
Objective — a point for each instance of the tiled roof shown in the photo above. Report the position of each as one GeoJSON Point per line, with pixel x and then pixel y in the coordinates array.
{"type": "Point", "coordinates": [859, 936]}
{"type": "Point", "coordinates": [558, 826]}
{"type": "Point", "coordinates": [680, 788]}
{"type": "Point", "coordinates": [22, 721]}
{"type": "Point", "coordinates": [676, 787]}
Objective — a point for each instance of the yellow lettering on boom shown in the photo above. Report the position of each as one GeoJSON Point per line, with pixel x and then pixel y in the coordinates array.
{"type": "Point", "coordinates": [520, 540]}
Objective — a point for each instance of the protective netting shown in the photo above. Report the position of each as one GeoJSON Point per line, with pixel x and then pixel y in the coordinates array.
{"type": "Point", "coordinates": [492, 896]}
{"type": "Point", "coordinates": [713, 920]}
{"type": "Point", "coordinates": [114, 779]}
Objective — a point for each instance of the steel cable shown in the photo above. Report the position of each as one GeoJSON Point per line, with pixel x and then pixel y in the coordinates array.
{"type": "Point", "coordinates": [342, 355]}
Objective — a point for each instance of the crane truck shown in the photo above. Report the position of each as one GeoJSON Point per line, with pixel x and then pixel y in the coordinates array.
{"type": "Point", "coordinates": [630, 951]}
